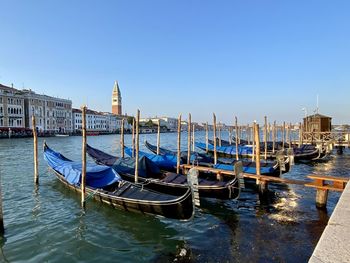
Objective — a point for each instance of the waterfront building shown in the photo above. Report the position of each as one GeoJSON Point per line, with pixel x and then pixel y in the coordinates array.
{"type": "Point", "coordinates": [104, 122]}
{"type": "Point", "coordinates": [317, 123]}
{"type": "Point", "coordinates": [11, 108]}
{"type": "Point", "coordinates": [52, 114]}
{"type": "Point", "coordinates": [116, 100]}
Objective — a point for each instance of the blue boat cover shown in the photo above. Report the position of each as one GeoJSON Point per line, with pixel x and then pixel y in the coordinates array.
{"type": "Point", "coordinates": [97, 176]}
{"type": "Point", "coordinates": [126, 165]}
{"type": "Point", "coordinates": [242, 149]}
{"type": "Point", "coordinates": [166, 161]}
{"type": "Point", "coordinates": [246, 169]}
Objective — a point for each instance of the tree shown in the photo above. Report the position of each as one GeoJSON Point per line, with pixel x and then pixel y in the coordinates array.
{"type": "Point", "coordinates": [129, 119]}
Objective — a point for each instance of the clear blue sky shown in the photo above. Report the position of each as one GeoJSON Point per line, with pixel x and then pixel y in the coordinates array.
{"type": "Point", "coordinates": [244, 58]}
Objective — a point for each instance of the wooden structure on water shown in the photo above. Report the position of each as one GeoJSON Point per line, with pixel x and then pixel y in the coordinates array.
{"type": "Point", "coordinates": [317, 123]}
{"type": "Point", "coordinates": [322, 184]}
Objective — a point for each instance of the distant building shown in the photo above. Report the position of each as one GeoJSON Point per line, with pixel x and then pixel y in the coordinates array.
{"type": "Point", "coordinates": [18, 106]}
{"type": "Point", "coordinates": [104, 122]}
{"type": "Point", "coordinates": [52, 114]}
{"type": "Point", "coordinates": [317, 123]}
{"type": "Point", "coordinates": [11, 108]}
{"type": "Point", "coordinates": [168, 122]}
{"type": "Point", "coordinates": [116, 100]}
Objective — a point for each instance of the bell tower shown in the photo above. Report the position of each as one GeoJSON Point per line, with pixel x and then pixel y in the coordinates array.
{"type": "Point", "coordinates": [116, 100]}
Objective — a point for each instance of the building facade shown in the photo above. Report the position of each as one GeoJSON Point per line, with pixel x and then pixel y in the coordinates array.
{"type": "Point", "coordinates": [11, 108]}
{"type": "Point", "coordinates": [18, 106]}
{"type": "Point", "coordinates": [116, 100]}
{"type": "Point", "coordinates": [53, 115]}
{"type": "Point", "coordinates": [102, 122]}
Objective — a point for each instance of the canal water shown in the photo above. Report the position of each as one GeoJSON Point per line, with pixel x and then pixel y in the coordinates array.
{"type": "Point", "coordinates": [46, 223]}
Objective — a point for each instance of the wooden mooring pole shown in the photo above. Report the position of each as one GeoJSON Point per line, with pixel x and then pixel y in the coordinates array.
{"type": "Point", "coordinates": [122, 139]}
{"type": "Point", "coordinates": [248, 133]}
{"type": "Point", "coordinates": [253, 142]}
{"type": "Point", "coordinates": [214, 127]}
{"type": "Point", "coordinates": [273, 137]}
{"type": "Point", "coordinates": [35, 138]}
{"type": "Point", "coordinates": [265, 138]}
{"type": "Point", "coordinates": [230, 135]}
{"type": "Point", "coordinates": [219, 131]}
{"type": "Point", "coordinates": [262, 184]}
{"type": "Point", "coordinates": [158, 137]}
{"type": "Point", "coordinates": [193, 130]}
{"type": "Point", "coordinates": [83, 157]}
{"type": "Point", "coordinates": [283, 134]}
{"type": "Point", "coordinates": [236, 128]}
{"type": "Point", "coordinates": [137, 146]}
{"type": "Point", "coordinates": [133, 138]}
{"type": "Point", "coordinates": [189, 139]}
{"type": "Point", "coordinates": [206, 137]}
{"type": "Point", "coordinates": [178, 145]}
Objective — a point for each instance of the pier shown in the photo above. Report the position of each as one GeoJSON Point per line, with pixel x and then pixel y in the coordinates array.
{"type": "Point", "coordinates": [334, 243]}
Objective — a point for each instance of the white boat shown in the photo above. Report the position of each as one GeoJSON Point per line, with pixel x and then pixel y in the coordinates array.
{"type": "Point", "coordinates": [61, 135]}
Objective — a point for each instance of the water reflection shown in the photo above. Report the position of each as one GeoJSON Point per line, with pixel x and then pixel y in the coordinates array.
{"type": "Point", "coordinates": [37, 205]}
{"type": "Point", "coordinates": [50, 226]}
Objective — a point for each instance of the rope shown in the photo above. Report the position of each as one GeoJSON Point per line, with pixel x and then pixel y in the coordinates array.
{"type": "Point", "coordinates": [91, 195]}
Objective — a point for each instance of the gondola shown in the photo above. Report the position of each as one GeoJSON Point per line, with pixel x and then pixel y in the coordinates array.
{"type": "Point", "coordinates": [305, 153]}
{"type": "Point", "coordinates": [106, 186]}
{"type": "Point", "coordinates": [270, 168]}
{"type": "Point", "coordinates": [207, 187]}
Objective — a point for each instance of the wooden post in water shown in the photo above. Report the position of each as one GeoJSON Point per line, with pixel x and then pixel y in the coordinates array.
{"type": "Point", "coordinates": [206, 137]}
{"type": "Point", "coordinates": [193, 130]}
{"type": "Point", "coordinates": [253, 142]}
{"type": "Point", "coordinates": [283, 134]}
{"type": "Point", "coordinates": [257, 151]}
{"type": "Point", "coordinates": [248, 133]}
{"type": "Point", "coordinates": [300, 134]}
{"type": "Point", "coordinates": [321, 198]}
{"type": "Point", "coordinates": [273, 137]}
{"type": "Point", "coordinates": [137, 147]}
{"type": "Point", "coordinates": [189, 139]}
{"type": "Point", "coordinates": [290, 135]}
{"type": "Point", "coordinates": [2, 228]}
{"type": "Point", "coordinates": [287, 134]}
{"type": "Point", "coordinates": [265, 138]}
{"type": "Point", "coordinates": [158, 137]}
{"type": "Point", "coordinates": [229, 135]}
{"type": "Point", "coordinates": [122, 139]}
{"type": "Point", "coordinates": [133, 138]}
{"type": "Point", "coordinates": [219, 131]}
{"type": "Point", "coordinates": [236, 128]}
{"type": "Point", "coordinates": [214, 127]}
{"type": "Point", "coordinates": [83, 154]}
{"type": "Point", "coordinates": [178, 145]}
{"type": "Point", "coordinates": [35, 138]}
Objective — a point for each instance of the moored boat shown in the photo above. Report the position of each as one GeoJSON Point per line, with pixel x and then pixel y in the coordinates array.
{"type": "Point", "coordinates": [207, 186]}
{"type": "Point", "coordinates": [106, 186]}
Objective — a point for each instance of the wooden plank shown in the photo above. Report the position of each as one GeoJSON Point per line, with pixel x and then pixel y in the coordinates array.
{"type": "Point", "coordinates": [325, 187]}
{"type": "Point", "coordinates": [328, 178]}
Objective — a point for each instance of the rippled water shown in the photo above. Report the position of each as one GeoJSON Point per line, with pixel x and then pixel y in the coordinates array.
{"type": "Point", "coordinates": [46, 223]}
